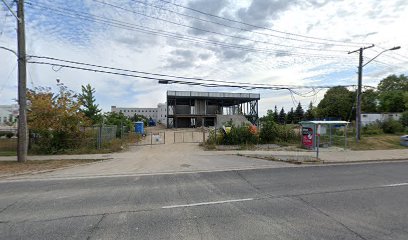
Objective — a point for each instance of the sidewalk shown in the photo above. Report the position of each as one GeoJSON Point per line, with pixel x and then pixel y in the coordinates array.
{"type": "Point", "coordinates": [330, 156]}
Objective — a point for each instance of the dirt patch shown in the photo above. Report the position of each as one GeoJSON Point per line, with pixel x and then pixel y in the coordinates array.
{"type": "Point", "coordinates": [14, 167]}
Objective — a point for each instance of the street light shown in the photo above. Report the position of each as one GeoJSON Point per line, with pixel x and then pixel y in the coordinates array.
{"type": "Point", "coordinates": [386, 50]}
{"type": "Point", "coordinates": [360, 80]}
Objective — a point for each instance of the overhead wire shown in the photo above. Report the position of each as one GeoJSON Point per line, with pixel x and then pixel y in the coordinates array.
{"type": "Point", "coordinates": [219, 33]}
{"type": "Point", "coordinates": [170, 77]}
{"type": "Point", "coordinates": [228, 26]}
{"type": "Point", "coordinates": [139, 28]}
{"type": "Point", "coordinates": [260, 27]}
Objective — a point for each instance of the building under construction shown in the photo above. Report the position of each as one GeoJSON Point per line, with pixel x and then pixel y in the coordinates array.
{"type": "Point", "coordinates": [195, 109]}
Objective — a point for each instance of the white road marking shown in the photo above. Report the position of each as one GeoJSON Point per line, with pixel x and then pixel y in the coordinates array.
{"type": "Point", "coordinates": [208, 203]}
{"type": "Point", "coordinates": [395, 185]}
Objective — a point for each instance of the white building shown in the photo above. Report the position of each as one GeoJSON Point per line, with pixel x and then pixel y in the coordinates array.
{"type": "Point", "coordinates": [6, 114]}
{"type": "Point", "coordinates": [367, 118]}
{"type": "Point", "coordinates": [158, 114]}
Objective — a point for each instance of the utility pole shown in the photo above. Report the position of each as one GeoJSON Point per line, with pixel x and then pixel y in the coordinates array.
{"type": "Point", "coordinates": [360, 84]}
{"type": "Point", "coordinates": [22, 85]}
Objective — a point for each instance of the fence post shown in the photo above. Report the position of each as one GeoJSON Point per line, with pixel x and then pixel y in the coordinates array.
{"type": "Point", "coordinates": [100, 137]}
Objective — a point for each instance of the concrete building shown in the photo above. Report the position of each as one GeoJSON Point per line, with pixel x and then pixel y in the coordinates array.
{"type": "Point", "coordinates": [6, 114]}
{"type": "Point", "coordinates": [367, 118]}
{"type": "Point", "coordinates": [158, 114]}
{"type": "Point", "coordinates": [193, 109]}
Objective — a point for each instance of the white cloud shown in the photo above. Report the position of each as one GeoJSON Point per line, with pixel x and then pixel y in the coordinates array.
{"type": "Point", "coordinates": [379, 22]}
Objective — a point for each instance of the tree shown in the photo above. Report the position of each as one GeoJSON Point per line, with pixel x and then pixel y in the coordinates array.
{"type": "Point", "coordinates": [393, 83]}
{"type": "Point", "coordinates": [290, 116]}
{"type": "Point", "coordinates": [282, 116]}
{"type": "Point", "coordinates": [392, 93]}
{"type": "Point", "coordinates": [118, 119]}
{"type": "Point", "coordinates": [276, 115]}
{"type": "Point", "coordinates": [369, 101]}
{"type": "Point", "coordinates": [89, 107]}
{"type": "Point", "coordinates": [267, 117]}
{"type": "Point", "coordinates": [310, 112]}
{"type": "Point", "coordinates": [55, 118]}
{"type": "Point", "coordinates": [337, 103]}
{"type": "Point", "coordinates": [299, 113]}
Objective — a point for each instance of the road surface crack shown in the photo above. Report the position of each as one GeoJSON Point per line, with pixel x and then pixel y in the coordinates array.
{"type": "Point", "coordinates": [331, 217]}
{"type": "Point", "coordinates": [96, 227]}
{"type": "Point", "coordinates": [8, 206]}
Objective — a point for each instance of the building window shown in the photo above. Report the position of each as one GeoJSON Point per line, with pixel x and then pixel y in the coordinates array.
{"type": "Point", "coordinates": [364, 115]}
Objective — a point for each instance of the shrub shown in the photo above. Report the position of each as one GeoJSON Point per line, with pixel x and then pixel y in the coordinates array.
{"type": "Point", "coordinates": [392, 126]}
{"type": "Point", "coordinates": [404, 119]}
{"type": "Point", "coordinates": [268, 132]}
{"type": "Point", "coordinates": [272, 132]}
{"type": "Point", "coordinates": [240, 135]}
{"type": "Point", "coordinates": [372, 129]}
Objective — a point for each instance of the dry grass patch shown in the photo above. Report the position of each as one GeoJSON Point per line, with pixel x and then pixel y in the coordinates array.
{"type": "Point", "coordinates": [378, 142]}
{"type": "Point", "coordinates": [14, 167]}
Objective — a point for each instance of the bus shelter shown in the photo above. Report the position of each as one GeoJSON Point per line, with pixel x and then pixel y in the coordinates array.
{"type": "Point", "coordinates": [315, 134]}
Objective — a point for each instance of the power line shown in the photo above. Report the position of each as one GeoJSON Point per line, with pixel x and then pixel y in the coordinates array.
{"type": "Point", "coordinates": [221, 34]}
{"type": "Point", "coordinates": [139, 28]}
{"type": "Point", "coordinates": [163, 75]}
{"type": "Point", "coordinates": [232, 27]}
{"type": "Point", "coordinates": [254, 26]}
{"type": "Point", "coordinates": [193, 83]}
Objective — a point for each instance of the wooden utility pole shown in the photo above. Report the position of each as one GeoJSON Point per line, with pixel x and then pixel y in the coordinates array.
{"type": "Point", "coordinates": [360, 84]}
{"type": "Point", "coordinates": [22, 85]}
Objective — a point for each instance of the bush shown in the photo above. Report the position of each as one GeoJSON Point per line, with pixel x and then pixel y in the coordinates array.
{"type": "Point", "coordinates": [268, 133]}
{"type": "Point", "coordinates": [404, 119]}
{"type": "Point", "coordinates": [237, 136]}
{"type": "Point", "coordinates": [272, 133]}
{"type": "Point", "coordinates": [372, 129]}
{"type": "Point", "coordinates": [240, 135]}
{"type": "Point", "coordinates": [392, 126]}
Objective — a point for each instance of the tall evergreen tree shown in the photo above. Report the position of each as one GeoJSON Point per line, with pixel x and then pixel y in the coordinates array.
{"type": "Point", "coordinates": [89, 108]}
{"type": "Point", "coordinates": [299, 113]}
{"type": "Point", "coordinates": [290, 116]}
{"type": "Point", "coordinates": [310, 115]}
{"type": "Point", "coordinates": [276, 115]}
{"type": "Point", "coordinates": [282, 116]}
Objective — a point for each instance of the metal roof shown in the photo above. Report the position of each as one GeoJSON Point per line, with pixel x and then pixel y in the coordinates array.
{"type": "Point", "coordinates": [325, 122]}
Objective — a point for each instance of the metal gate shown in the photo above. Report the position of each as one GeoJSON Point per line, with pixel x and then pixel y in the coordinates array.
{"type": "Point", "coordinates": [189, 136]}
{"type": "Point", "coordinates": [153, 138]}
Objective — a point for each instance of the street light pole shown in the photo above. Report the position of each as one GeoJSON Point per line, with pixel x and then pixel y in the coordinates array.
{"type": "Point", "coordinates": [360, 84]}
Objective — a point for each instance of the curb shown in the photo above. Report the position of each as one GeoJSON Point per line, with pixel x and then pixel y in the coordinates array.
{"type": "Point", "coordinates": [320, 162]}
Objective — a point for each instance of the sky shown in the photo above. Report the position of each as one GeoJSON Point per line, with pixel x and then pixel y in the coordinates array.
{"type": "Point", "coordinates": [275, 42]}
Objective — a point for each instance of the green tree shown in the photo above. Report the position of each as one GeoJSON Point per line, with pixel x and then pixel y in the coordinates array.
{"type": "Point", "coordinates": [89, 107]}
{"type": "Point", "coordinates": [118, 119]}
{"type": "Point", "coordinates": [369, 101]}
{"type": "Point", "coordinates": [392, 93]}
{"type": "Point", "coordinates": [299, 113]}
{"type": "Point", "coordinates": [275, 115]}
{"type": "Point", "coordinates": [267, 117]}
{"type": "Point", "coordinates": [290, 117]}
{"type": "Point", "coordinates": [310, 112]}
{"type": "Point", "coordinates": [282, 116]}
{"type": "Point", "coordinates": [337, 102]}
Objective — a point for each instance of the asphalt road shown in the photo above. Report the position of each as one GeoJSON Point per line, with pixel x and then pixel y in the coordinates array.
{"type": "Point", "coordinates": [361, 201]}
